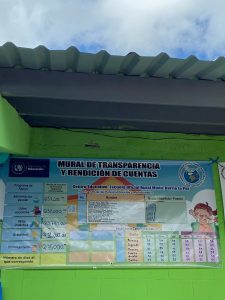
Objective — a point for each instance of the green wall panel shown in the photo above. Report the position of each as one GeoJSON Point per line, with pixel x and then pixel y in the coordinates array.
{"type": "Point", "coordinates": [14, 132]}
{"type": "Point", "coordinates": [151, 284]}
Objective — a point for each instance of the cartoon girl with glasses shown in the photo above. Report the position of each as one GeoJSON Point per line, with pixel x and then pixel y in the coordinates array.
{"type": "Point", "coordinates": [205, 217]}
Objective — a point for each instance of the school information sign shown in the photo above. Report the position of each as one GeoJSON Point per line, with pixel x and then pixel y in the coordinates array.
{"type": "Point", "coordinates": [98, 212]}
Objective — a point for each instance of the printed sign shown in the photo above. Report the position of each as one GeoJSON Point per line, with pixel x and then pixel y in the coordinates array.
{"type": "Point", "coordinates": [221, 168]}
{"type": "Point", "coordinates": [99, 212]}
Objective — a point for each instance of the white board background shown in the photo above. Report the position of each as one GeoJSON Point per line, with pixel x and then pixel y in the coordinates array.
{"type": "Point", "coordinates": [221, 167]}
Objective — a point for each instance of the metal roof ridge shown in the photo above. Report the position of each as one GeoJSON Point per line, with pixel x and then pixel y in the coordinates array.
{"type": "Point", "coordinates": [102, 62]}
{"type": "Point", "coordinates": [129, 54]}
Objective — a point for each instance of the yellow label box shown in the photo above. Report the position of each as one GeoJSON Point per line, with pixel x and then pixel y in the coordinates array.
{"type": "Point", "coordinates": [10, 260]}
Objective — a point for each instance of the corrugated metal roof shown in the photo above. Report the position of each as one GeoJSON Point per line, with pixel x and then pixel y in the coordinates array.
{"type": "Point", "coordinates": [72, 60]}
{"type": "Point", "coordinates": [133, 99]}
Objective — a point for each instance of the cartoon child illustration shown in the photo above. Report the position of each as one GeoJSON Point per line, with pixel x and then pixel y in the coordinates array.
{"type": "Point", "coordinates": [205, 218]}
{"type": "Point", "coordinates": [34, 223]}
{"type": "Point", "coordinates": [37, 211]}
{"type": "Point", "coordinates": [34, 248]}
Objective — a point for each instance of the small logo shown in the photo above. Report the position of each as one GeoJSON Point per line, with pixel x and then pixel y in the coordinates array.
{"type": "Point", "coordinates": [18, 167]}
{"type": "Point", "coordinates": [28, 167]}
{"type": "Point", "coordinates": [192, 174]}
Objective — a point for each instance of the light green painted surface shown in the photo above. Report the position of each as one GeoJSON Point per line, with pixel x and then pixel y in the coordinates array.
{"type": "Point", "coordinates": [151, 284]}
{"type": "Point", "coordinates": [125, 144]}
{"type": "Point", "coordinates": [14, 132]}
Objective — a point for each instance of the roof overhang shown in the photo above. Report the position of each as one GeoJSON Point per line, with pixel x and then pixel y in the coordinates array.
{"type": "Point", "coordinates": [85, 100]}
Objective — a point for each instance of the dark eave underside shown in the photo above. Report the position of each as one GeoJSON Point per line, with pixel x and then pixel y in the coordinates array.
{"type": "Point", "coordinates": [75, 100]}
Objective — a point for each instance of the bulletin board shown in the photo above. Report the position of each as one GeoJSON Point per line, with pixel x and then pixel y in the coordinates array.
{"type": "Point", "coordinates": [107, 213]}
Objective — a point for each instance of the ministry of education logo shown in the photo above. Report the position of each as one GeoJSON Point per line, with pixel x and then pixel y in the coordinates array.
{"type": "Point", "coordinates": [28, 167]}
{"type": "Point", "coordinates": [192, 174]}
{"type": "Point", "coordinates": [18, 167]}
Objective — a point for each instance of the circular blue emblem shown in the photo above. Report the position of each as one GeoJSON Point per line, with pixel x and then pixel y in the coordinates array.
{"type": "Point", "coordinates": [192, 174]}
{"type": "Point", "coordinates": [18, 168]}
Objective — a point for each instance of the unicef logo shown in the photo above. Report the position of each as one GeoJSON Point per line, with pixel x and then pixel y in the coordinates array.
{"type": "Point", "coordinates": [18, 168]}
{"type": "Point", "coordinates": [192, 174]}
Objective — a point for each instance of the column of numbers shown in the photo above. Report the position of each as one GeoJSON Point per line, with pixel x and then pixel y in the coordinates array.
{"type": "Point", "coordinates": [174, 249]}
{"type": "Point", "coordinates": [162, 249]}
{"type": "Point", "coordinates": [149, 248]}
{"type": "Point", "coordinates": [212, 250]}
{"type": "Point", "coordinates": [187, 250]}
{"type": "Point", "coordinates": [199, 247]}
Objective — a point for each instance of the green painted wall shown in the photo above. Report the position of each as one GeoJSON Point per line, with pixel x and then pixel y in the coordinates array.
{"type": "Point", "coordinates": [133, 284]}
{"type": "Point", "coordinates": [14, 132]}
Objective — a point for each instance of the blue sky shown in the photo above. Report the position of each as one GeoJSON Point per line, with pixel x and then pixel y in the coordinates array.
{"type": "Point", "coordinates": [148, 27]}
